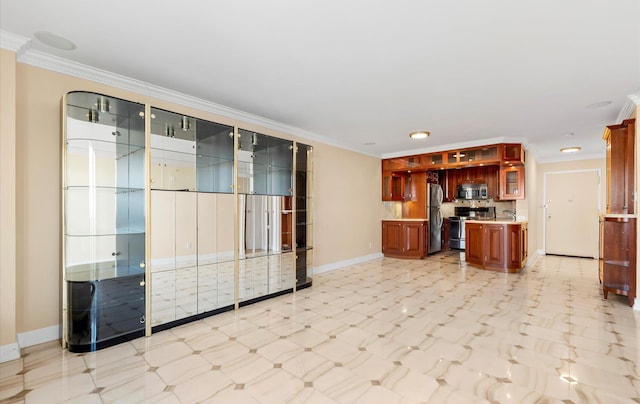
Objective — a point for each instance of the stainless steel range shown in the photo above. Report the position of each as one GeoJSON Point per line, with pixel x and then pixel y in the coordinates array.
{"type": "Point", "coordinates": [456, 223]}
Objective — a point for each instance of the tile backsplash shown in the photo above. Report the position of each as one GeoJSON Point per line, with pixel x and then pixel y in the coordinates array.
{"type": "Point", "coordinates": [393, 210]}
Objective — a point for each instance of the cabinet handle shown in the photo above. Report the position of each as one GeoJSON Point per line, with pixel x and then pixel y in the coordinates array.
{"type": "Point", "coordinates": [115, 254]}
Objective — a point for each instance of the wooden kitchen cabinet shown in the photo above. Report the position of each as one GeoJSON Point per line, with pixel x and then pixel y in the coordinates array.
{"type": "Point", "coordinates": [511, 182]}
{"type": "Point", "coordinates": [620, 141]}
{"type": "Point", "coordinates": [517, 239]}
{"type": "Point", "coordinates": [500, 166]}
{"type": "Point", "coordinates": [474, 244]}
{"type": "Point", "coordinates": [394, 186]}
{"type": "Point", "coordinates": [512, 153]}
{"type": "Point", "coordinates": [449, 181]}
{"type": "Point", "coordinates": [492, 174]}
{"type": "Point", "coordinates": [405, 238]}
{"type": "Point", "coordinates": [619, 257]}
{"type": "Point", "coordinates": [496, 246]}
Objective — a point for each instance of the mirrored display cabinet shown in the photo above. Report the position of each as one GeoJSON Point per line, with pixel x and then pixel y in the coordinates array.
{"type": "Point", "coordinates": [304, 222]}
{"type": "Point", "coordinates": [104, 221]}
{"type": "Point", "coordinates": [192, 218]}
{"type": "Point", "coordinates": [265, 191]}
{"type": "Point", "coordinates": [204, 217]}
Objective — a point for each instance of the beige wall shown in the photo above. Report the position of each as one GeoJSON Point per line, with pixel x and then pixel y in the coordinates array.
{"type": "Point", "coordinates": [346, 194]}
{"type": "Point", "coordinates": [591, 164]}
{"type": "Point", "coordinates": [7, 198]}
{"type": "Point", "coordinates": [347, 205]}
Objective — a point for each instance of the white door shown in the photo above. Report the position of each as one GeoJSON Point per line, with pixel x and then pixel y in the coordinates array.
{"type": "Point", "coordinates": [571, 213]}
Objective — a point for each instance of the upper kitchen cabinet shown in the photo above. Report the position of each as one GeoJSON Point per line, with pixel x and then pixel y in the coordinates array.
{"type": "Point", "coordinates": [103, 222]}
{"type": "Point", "coordinates": [479, 155]}
{"type": "Point", "coordinates": [620, 165]}
{"type": "Point", "coordinates": [511, 182]}
{"type": "Point", "coordinates": [265, 164]}
{"type": "Point", "coordinates": [435, 160]}
{"type": "Point", "coordinates": [394, 185]}
{"type": "Point", "coordinates": [512, 153]}
{"type": "Point", "coordinates": [474, 156]}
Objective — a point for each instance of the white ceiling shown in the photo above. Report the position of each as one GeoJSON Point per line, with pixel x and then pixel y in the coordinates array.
{"type": "Point", "coordinates": [359, 71]}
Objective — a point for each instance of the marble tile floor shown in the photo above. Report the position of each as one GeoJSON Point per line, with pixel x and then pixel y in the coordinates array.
{"type": "Point", "coordinates": [384, 331]}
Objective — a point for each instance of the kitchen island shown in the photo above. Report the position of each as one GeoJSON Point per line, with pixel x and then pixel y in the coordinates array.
{"type": "Point", "coordinates": [405, 238]}
{"type": "Point", "coordinates": [496, 244]}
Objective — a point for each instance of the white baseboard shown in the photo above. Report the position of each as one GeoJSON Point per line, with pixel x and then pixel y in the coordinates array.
{"type": "Point", "coordinates": [39, 336]}
{"type": "Point", "coordinates": [9, 352]}
{"type": "Point", "coordinates": [346, 263]}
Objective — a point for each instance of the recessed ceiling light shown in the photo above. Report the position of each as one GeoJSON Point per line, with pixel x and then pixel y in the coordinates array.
{"type": "Point", "coordinates": [598, 104]}
{"type": "Point", "coordinates": [423, 134]}
{"type": "Point", "coordinates": [55, 41]}
{"type": "Point", "coordinates": [568, 134]}
{"type": "Point", "coordinates": [369, 143]}
{"type": "Point", "coordinates": [572, 149]}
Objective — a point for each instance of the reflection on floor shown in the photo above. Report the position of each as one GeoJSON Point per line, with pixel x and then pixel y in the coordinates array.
{"type": "Point", "coordinates": [384, 331]}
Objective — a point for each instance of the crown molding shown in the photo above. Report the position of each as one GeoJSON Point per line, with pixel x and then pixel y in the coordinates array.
{"type": "Point", "coordinates": [13, 42]}
{"type": "Point", "coordinates": [630, 105]}
{"type": "Point", "coordinates": [50, 62]}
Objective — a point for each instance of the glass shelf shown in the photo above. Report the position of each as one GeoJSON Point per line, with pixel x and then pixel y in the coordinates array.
{"type": "Point", "coordinates": [104, 210]}
{"type": "Point", "coordinates": [99, 163]}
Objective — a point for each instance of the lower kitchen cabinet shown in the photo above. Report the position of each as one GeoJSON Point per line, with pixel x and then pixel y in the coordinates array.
{"type": "Point", "coordinates": [618, 260]}
{"type": "Point", "coordinates": [496, 246]}
{"type": "Point", "coordinates": [405, 238]}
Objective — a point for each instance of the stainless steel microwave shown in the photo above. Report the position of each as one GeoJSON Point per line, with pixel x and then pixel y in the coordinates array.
{"type": "Point", "coordinates": [472, 191]}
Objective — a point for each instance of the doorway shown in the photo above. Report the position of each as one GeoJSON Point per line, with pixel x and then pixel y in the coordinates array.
{"type": "Point", "coordinates": [571, 202]}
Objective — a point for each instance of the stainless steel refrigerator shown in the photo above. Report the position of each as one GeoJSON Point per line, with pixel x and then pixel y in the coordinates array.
{"type": "Point", "coordinates": [434, 201]}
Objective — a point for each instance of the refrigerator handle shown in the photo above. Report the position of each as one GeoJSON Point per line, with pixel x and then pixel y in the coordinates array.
{"type": "Point", "coordinates": [440, 219]}
{"type": "Point", "coordinates": [440, 195]}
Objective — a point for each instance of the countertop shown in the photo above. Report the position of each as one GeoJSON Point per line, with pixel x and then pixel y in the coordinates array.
{"type": "Point", "coordinates": [498, 220]}
{"type": "Point", "coordinates": [401, 219]}
{"type": "Point", "coordinates": [619, 215]}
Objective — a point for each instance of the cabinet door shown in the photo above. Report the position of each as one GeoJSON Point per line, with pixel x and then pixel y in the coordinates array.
{"type": "Point", "coordinates": [620, 165]}
{"type": "Point", "coordinates": [162, 235]}
{"type": "Point", "coordinates": [414, 239]}
{"type": "Point", "coordinates": [393, 186]}
{"type": "Point", "coordinates": [619, 256]}
{"type": "Point", "coordinates": [185, 229]}
{"type": "Point", "coordinates": [494, 236]}
{"type": "Point", "coordinates": [514, 244]}
{"type": "Point", "coordinates": [474, 237]}
{"type": "Point", "coordinates": [392, 237]}
{"type": "Point", "coordinates": [512, 182]}
{"type": "Point", "coordinates": [492, 181]}
{"type": "Point", "coordinates": [452, 184]}
{"type": "Point", "coordinates": [512, 153]}
{"type": "Point", "coordinates": [386, 186]}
